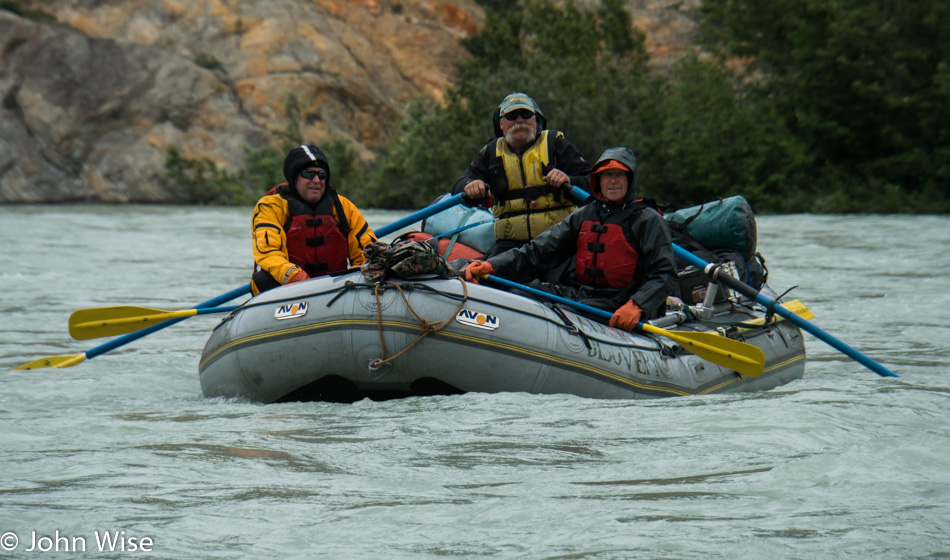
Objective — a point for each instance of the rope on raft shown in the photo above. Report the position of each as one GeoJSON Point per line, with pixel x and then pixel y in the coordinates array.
{"type": "Point", "coordinates": [428, 327]}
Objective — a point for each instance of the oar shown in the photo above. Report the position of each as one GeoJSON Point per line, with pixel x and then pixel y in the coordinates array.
{"type": "Point", "coordinates": [74, 359]}
{"type": "Point", "coordinates": [99, 322]}
{"type": "Point", "coordinates": [419, 215]}
{"type": "Point", "coordinates": [749, 291]}
{"type": "Point", "coordinates": [795, 306]}
{"type": "Point", "coordinates": [713, 272]}
{"type": "Point", "coordinates": [726, 352]}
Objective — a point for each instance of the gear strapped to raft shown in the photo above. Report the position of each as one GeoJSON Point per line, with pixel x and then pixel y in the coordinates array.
{"type": "Point", "coordinates": [405, 258]}
{"type": "Point", "coordinates": [722, 224]}
{"type": "Point", "coordinates": [428, 327]}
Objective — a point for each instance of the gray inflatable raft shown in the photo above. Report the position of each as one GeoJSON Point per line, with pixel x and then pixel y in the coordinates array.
{"type": "Point", "coordinates": [334, 339]}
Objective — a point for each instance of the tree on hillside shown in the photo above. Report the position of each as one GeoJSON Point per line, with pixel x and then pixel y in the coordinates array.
{"type": "Point", "coordinates": [695, 138]}
{"type": "Point", "coordinates": [586, 69]}
{"type": "Point", "coordinates": [701, 140]}
{"type": "Point", "coordinates": [866, 85]}
{"type": "Point", "coordinates": [840, 106]}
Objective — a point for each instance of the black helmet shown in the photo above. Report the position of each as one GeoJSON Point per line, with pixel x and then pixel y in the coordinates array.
{"type": "Point", "coordinates": [301, 158]}
{"type": "Point", "coordinates": [517, 101]}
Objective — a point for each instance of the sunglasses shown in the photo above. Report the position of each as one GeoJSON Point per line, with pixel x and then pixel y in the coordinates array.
{"type": "Point", "coordinates": [309, 174]}
{"type": "Point", "coordinates": [523, 113]}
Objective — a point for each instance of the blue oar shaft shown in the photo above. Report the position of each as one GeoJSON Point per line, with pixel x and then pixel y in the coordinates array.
{"type": "Point", "coordinates": [418, 215]}
{"type": "Point", "coordinates": [246, 289]}
{"type": "Point", "coordinates": [125, 339]}
{"type": "Point", "coordinates": [210, 310]}
{"type": "Point", "coordinates": [552, 297]}
{"type": "Point", "coordinates": [808, 326]}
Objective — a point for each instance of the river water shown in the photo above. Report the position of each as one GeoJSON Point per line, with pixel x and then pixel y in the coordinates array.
{"type": "Point", "coordinates": [841, 464]}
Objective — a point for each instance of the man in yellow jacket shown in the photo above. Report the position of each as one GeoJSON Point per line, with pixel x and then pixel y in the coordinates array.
{"type": "Point", "coordinates": [303, 228]}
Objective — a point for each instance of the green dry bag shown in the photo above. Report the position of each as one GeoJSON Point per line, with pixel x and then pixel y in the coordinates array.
{"type": "Point", "coordinates": [727, 223]}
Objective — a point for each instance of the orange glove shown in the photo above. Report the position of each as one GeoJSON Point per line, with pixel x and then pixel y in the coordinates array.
{"type": "Point", "coordinates": [477, 268]}
{"type": "Point", "coordinates": [299, 277]}
{"type": "Point", "coordinates": [627, 316]}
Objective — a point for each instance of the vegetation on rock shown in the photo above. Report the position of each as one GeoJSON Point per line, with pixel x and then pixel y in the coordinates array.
{"type": "Point", "coordinates": [837, 107]}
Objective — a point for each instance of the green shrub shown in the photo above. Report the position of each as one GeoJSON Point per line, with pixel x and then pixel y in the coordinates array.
{"type": "Point", "coordinates": [586, 69]}
{"type": "Point", "coordinates": [35, 15]}
{"type": "Point", "coordinates": [864, 87]}
{"type": "Point", "coordinates": [200, 181]}
{"type": "Point", "coordinates": [843, 107]}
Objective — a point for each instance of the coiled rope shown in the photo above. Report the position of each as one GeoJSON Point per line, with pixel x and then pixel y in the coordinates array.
{"type": "Point", "coordinates": [428, 327]}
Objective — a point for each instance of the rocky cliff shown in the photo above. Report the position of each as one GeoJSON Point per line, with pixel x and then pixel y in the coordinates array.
{"type": "Point", "coordinates": [95, 91]}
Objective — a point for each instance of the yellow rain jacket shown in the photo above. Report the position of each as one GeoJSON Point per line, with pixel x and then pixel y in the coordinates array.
{"type": "Point", "coordinates": [290, 234]}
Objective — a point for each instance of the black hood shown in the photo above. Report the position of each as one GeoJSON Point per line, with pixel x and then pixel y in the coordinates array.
{"type": "Point", "coordinates": [624, 156]}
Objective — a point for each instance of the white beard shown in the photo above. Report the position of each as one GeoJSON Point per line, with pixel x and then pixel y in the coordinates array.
{"type": "Point", "coordinates": [517, 142]}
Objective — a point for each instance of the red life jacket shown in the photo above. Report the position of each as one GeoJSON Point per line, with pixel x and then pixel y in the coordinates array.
{"type": "Point", "coordinates": [315, 240]}
{"type": "Point", "coordinates": [605, 257]}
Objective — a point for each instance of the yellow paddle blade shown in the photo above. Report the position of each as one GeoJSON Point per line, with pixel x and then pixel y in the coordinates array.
{"type": "Point", "coordinates": [98, 322]}
{"type": "Point", "coordinates": [799, 308]}
{"type": "Point", "coordinates": [54, 362]}
{"type": "Point", "coordinates": [726, 352]}
{"type": "Point", "coordinates": [794, 306]}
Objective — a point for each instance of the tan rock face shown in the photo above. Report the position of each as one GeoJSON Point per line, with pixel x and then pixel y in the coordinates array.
{"type": "Point", "coordinates": [94, 117]}
{"type": "Point", "coordinates": [377, 55]}
{"type": "Point", "coordinates": [90, 106]}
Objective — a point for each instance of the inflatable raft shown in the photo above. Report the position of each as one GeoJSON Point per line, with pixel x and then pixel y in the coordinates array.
{"type": "Point", "coordinates": [343, 339]}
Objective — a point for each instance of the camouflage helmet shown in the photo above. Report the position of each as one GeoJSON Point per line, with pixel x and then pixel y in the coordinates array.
{"type": "Point", "coordinates": [514, 101]}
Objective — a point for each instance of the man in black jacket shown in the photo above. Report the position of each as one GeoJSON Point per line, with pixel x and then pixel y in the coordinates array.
{"type": "Point", "coordinates": [524, 174]}
{"type": "Point", "coordinates": [623, 253]}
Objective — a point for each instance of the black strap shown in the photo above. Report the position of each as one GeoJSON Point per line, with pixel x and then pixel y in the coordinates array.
{"type": "Point", "coordinates": [508, 215]}
{"type": "Point", "coordinates": [770, 308]}
{"type": "Point", "coordinates": [340, 214]}
{"type": "Point", "coordinates": [690, 219]}
{"type": "Point", "coordinates": [359, 235]}
{"type": "Point", "coordinates": [532, 193]}
{"type": "Point", "coordinates": [552, 162]}
{"type": "Point", "coordinates": [316, 269]}
{"type": "Point", "coordinates": [678, 230]}
{"type": "Point", "coordinates": [571, 327]}
{"type": "Point", "coordinates": [527, 193]}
